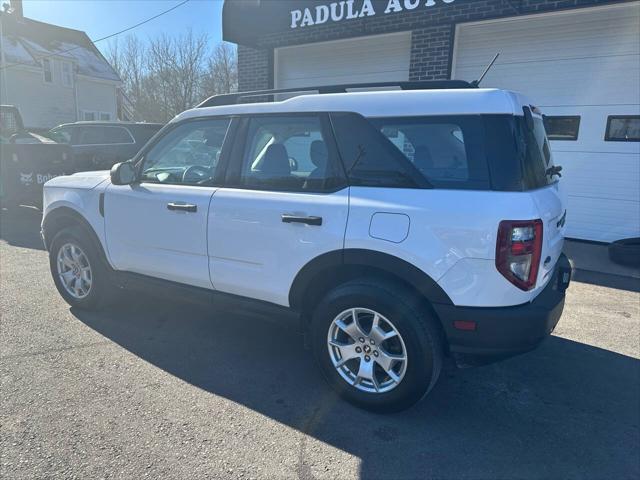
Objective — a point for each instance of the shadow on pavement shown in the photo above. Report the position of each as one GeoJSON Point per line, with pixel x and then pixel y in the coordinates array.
{"type": "Point", "coordinates": [567, 410]}
{"type": "Point", "coordinates": [20, 227]}
{"type": "Point", "coordinates": [618, 282]}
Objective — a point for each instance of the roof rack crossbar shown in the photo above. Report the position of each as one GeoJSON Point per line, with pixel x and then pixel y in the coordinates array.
{"type": "Point", "coordinates": [234, 98]}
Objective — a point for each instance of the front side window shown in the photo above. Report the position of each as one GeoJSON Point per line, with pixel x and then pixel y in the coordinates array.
{"type": "Point", "coordinates": [188, 154]}
{"type": "Point", "coordinates": [623, 128]}
{"type": "Point", "coordinates": [288, 153]}
{"type": "Point", "coordinates": [47, 69]}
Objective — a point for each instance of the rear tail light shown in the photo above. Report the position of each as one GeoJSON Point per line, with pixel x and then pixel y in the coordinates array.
{"type": "Point", "coordinates": [518, 252]}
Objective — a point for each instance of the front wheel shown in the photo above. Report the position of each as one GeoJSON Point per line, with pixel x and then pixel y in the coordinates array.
{"type": "Point", "coordinates": [78, 271]}
{"type": "Point", "coordinates": [377, 345]}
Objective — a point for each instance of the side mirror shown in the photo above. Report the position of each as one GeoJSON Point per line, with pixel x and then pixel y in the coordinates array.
{"type": "Point", "coordinates": [123, 174]}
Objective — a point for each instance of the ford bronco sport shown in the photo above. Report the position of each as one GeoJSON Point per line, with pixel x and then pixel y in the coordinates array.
{"type": "Point", "coordinates": [399, 227]}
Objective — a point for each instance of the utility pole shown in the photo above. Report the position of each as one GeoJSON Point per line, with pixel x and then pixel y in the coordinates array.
{"type": "Point", "coordinates": [3, 70]}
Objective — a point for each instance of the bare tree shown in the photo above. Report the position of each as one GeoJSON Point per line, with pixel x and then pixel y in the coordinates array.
{"type": "Point", "coordinates": [128, 60]}
{"type": "Point", "coordinates": [221, 74]}
{"type": "Point", "coordinates": [167, 75]}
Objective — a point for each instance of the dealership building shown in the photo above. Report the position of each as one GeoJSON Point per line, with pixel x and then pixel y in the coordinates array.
{"type": "Point", "coordinates": [578, 60]}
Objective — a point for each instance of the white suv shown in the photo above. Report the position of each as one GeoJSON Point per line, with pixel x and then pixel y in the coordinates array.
{"type": "Point", "coordinates": [399, 226]}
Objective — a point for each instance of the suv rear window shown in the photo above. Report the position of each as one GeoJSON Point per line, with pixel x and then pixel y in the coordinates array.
{"type": "Point", "coordinates": [446, 150]}
{"type": "Point", "coordinates": [479, 152]}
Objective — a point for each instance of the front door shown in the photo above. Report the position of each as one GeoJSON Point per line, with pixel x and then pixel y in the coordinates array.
{"type": "Point", "coordinates": [286, 205]}
{"type": "Point", "coordinates": [158, 226]}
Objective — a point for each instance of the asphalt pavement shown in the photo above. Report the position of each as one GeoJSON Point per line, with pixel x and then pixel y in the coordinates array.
{"type": "Point", "coordinates": [155, 388]}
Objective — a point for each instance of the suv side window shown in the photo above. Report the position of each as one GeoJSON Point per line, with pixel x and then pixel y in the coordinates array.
{"type": "Point", "coordinates": [370, 159]}
{"type": "Point", "coordinates": [117, 135]}
{"type": "Point", "coordinates": [90, 136]}
{"type": "Point", "coordinates": [447, 150]}
{"type": "Point", "coordinates": [188, 154]}
{"type": "Point", "coordinates": [290, 153]}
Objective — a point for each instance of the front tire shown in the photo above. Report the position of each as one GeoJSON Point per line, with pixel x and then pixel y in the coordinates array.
{"type": "Point", "coordinates": [78, 270]}
{"type": "Point", "coordinates": [377, 345]}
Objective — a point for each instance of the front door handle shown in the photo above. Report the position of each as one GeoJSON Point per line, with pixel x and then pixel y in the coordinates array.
{"type": "Point", "coordinates": [182, 207]}
{"type": "Point", "coordinates": [286, 218]}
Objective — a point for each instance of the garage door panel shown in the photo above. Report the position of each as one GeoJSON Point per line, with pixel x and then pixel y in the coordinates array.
{"type": "Point", "coordinates": [344, 61]}
{"type": "Point", "coordinates": [619, 172]}
{"type": "Point", "coordinates": [583, 62]}
{"type": "Point", "coordinates": [586, 33]}
{"type": "Point", "coordinates": [600, 219]}
{"type": "Point", "coordinates": [567, 82]}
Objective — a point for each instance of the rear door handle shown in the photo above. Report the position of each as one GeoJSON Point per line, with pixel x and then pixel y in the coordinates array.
{"type": "Point", "coordinates": [286, 218]}
{"type": "Point", "coordinates": [182, 207]}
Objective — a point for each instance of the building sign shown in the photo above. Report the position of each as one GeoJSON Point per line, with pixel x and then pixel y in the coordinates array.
{"type": "Point", "coordinates": [351, 9]}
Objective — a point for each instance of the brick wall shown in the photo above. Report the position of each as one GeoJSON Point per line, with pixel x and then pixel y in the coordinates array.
{"type": "Point", "coordinates": [432, 35]}
{"type": "Point", "coordinates": [254, 68]}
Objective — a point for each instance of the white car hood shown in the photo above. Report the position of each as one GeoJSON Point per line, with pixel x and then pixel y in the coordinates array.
{"type": "Point", "coordinates": [81, 180]}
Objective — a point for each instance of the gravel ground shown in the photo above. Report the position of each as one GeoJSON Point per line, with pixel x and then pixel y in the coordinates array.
{"type": "Point", "coordinates": [158, 389]}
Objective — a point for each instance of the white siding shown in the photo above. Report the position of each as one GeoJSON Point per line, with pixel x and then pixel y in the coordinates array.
{"type": "Point", "coordinates": [42, 105]}
{"type": "Point", "coordinates": [376, 58]}
{"type": "Point", "coordinates": [97, 96]}
{"type": "Point", "coordinates": [582, 62]}
{"type": "Point", "coordinates": [45, 105]}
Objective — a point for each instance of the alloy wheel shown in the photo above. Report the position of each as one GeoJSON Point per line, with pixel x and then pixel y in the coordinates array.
{"type": "Point", "coordinates": [74, 270]}
{"type": "Point", "coordinates": [367, 350]}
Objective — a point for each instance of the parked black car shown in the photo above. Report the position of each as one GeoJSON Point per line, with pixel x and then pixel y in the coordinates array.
{"type": "Point", "coordinates": [99, 145]}
{"type": "Point", "coordinates": [27, 161]}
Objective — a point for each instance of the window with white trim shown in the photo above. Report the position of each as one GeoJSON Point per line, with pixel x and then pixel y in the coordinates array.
{"type": "Point", "coordinates": [47, 69]}
{"type": "Point", "coordinates": [67, 74]}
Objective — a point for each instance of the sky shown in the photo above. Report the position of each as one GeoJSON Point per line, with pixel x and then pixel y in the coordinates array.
{"type": "Point", "coordinates": [100, 18]}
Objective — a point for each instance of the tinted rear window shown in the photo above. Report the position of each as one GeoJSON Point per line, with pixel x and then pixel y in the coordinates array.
{"type": "Point", "coordinates": [478, 152]}
{"type": "Point", "coordinates": [447, 150]}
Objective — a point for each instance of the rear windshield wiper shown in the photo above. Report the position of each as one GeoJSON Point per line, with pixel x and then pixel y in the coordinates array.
{"type": "Point", "coordinates": [554, 170]}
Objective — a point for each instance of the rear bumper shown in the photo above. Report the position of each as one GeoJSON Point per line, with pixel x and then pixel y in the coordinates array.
{"type": "Point", "coordinates": [506, 331]}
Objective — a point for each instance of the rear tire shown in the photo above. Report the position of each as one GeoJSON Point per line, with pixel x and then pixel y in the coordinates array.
{"type": "Point", "coordinates": [79, 271]}
{"type": "Point", "coordinates": [356, 361]}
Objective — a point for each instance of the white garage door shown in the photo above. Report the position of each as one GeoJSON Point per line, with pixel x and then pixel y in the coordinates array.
{"type": "Point", "coordinates": [582, 63]}
{"type": "Point", "coordinates": [378, 58]}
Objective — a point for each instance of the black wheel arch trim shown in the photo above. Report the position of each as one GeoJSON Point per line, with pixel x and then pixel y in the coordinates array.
{"type": "Point", "coordinates": [385, 262]}
{"type": "Point", "coordinates": [60, 214]}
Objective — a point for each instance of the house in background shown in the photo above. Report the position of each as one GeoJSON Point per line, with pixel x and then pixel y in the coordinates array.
{"type": "Point", "coordinates": [54, 74]}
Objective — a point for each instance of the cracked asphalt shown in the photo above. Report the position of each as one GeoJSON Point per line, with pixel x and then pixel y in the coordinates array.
{"type": "Point", "coordinates": [154, 388]}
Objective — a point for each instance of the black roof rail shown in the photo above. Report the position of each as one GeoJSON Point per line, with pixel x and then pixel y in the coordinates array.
{"type": "Point", "coordinates": [233, 98]}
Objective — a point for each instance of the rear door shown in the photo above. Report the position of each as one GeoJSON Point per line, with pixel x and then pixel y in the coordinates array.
{"type": "Point", "coordinates": [285, 203]}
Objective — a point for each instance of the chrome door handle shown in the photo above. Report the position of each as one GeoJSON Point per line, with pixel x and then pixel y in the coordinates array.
{"type": "Point", "coordinates": [316, 221]}
{"type": "Point", "coordinates": [182, 207]}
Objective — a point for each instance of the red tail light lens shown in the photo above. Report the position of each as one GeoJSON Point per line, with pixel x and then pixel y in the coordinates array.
{"type": "Point", "coordinates": [518, 252]}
